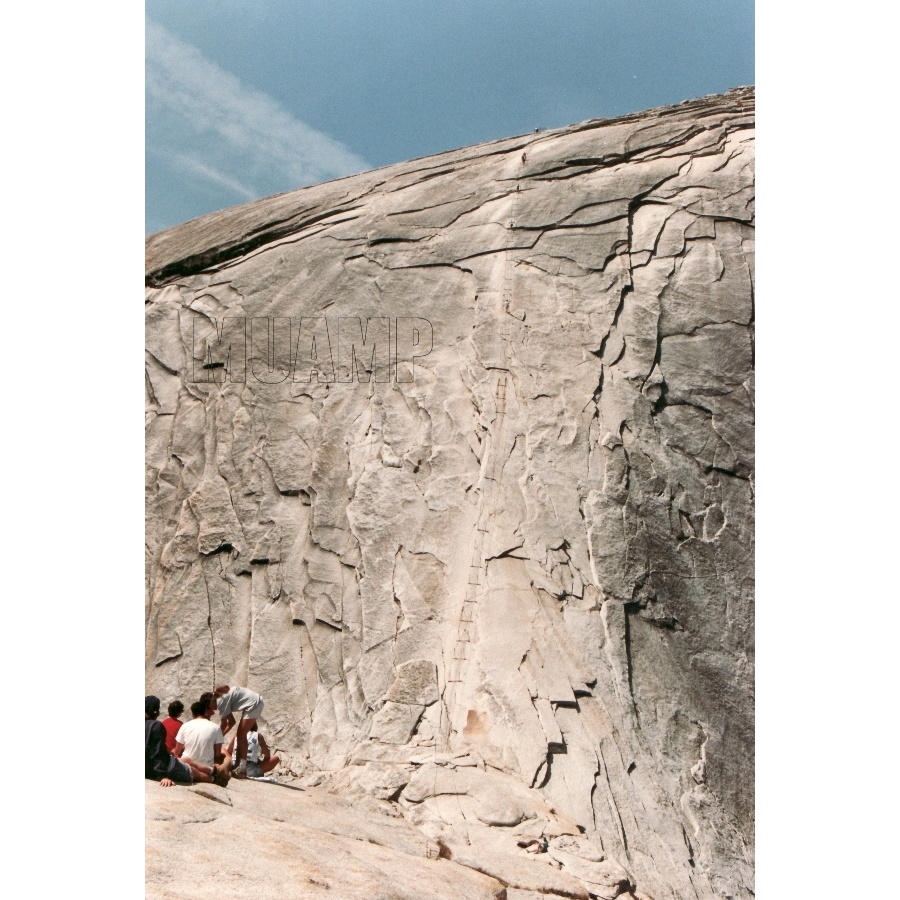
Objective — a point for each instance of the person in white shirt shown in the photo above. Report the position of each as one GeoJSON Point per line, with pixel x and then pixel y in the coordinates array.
{"type": "Point", "coordinates": [230, 700]}
{"type": "Point", "coordinates": [259, 757]}
{"type": "Point", "coordinates": [200, 741]}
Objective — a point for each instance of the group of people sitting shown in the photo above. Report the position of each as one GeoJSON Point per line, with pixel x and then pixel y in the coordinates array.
{"type": "Point", "coordinates": [179, 752]}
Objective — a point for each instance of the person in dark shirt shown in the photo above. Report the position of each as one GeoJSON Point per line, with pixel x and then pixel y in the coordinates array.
{"type": "Point", "coordinates": [159, 764]}
{"type": "Point", "coordinates": [173, 723]}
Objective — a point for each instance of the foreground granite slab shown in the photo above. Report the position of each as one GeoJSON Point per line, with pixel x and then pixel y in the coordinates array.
{"type": "Point", "coordinates": [263, 840]}
{"type": "Point", "coordinates": [452, 461]}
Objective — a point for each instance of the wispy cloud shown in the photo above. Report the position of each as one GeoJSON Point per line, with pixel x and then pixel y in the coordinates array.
{"type": "Point", "coordinates": [206, 124]}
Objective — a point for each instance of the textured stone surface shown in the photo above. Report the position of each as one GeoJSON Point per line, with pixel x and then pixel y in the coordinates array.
{"type": "Point", "coordinates": [525, 554]}
{"type": "Point", "coordinates": [263, 840]}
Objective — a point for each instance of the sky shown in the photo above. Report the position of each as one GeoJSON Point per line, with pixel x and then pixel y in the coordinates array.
{"type": "Point", "coordinates": [247, 99]}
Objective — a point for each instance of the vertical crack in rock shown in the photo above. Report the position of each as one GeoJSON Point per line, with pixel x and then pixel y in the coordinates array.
{"type": "Point", "coordinates": [212, 635]}
{"type": "Point", "coordinates": [486, 547]}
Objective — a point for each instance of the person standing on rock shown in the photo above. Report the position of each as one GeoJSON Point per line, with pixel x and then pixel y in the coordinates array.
{"type": "Point", "coordinates": [173, 723]}
{"type": "Point", "coordinates": [229, 701]}
{"type": "Point", "coordinates": [159, 764]}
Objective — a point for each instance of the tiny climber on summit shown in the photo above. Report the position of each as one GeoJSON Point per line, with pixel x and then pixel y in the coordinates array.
{"type": "Point", "coordinates": [229, 701]}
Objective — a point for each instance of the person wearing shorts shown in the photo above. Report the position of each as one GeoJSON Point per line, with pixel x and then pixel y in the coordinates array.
{"type": "Point", "coordinates": [231, 700]}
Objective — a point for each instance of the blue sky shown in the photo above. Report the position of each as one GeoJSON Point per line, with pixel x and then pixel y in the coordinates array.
{"type": "Point", "coordinates": [246, 99]}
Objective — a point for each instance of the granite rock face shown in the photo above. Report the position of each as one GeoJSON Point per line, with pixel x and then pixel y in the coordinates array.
{"type": "Point", "coordinates": [452, 462]}
{"type": "Point", "coordinates": [291, 844]}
